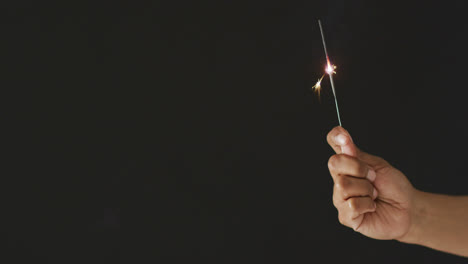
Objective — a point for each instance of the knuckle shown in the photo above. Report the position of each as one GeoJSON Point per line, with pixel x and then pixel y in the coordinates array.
{"type": "Point", "coordinates": [336, 200]}
{"type": "Point", "coordinates": [353, 204]}
{"type": "Point", "coordinates": [341, 218]}
{"type": "Point", "coordinates": [331, 162]}
{"type": "Point", "coordinates": [334, 161]}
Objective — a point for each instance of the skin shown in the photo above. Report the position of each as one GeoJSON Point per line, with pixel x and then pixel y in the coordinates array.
{"type": "Point", "coordinates": [378, 201]}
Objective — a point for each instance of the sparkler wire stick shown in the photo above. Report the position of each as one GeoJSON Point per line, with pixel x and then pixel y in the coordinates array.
{"type": "Point", "coordinates": [330, 73]}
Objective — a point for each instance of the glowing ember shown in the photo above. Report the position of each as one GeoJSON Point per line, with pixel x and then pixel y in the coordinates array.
{"type": "Point", "coordinates": [318, 86]}
{"type": "Point", "coordinates": [330, 68]}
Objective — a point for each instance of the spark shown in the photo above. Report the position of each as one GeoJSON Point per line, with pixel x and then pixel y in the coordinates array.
{"type": "Point", "coordinates": [318, 86]}
{"type": "Point", "coordinates": [330, 68]}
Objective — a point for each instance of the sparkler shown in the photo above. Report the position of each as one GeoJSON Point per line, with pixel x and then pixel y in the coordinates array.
{"type": "Point", "coordinates": [330, 70]}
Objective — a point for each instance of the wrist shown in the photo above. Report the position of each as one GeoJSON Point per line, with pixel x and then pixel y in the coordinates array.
{"type": "Point", "coordinates": [418, 212]}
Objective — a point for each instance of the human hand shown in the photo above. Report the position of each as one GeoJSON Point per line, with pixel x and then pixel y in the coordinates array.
{"type": "Point", "coordinates": [371, 196]}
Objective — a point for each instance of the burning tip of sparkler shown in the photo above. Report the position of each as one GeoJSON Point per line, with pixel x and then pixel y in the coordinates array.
{"type": "Point", "coordinates": [330, 68]}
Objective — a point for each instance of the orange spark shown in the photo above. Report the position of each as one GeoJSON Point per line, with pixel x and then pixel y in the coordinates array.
{"type": "Point", "coordinates": [318, 86]}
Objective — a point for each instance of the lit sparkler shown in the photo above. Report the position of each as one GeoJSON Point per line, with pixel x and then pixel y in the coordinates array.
{"type": "Point", "coordinates": [330, 70]}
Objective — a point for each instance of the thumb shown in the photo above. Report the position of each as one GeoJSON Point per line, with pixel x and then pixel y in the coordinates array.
{"type": "Point", "coordinates": [340, 140]}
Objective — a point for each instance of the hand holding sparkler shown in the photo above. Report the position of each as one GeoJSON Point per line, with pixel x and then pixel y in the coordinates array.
{"type": "Point", "coordinates": [378, 201]}
{"type": "Point", "coordinates": [371, 196]}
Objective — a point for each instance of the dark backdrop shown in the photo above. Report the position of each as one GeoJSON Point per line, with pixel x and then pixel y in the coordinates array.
{"type": "Point", "coordinates": [196, 120]}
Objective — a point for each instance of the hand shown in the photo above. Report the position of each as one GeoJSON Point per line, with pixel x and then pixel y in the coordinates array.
{"type": "Point", "coordinates": [371, 196]}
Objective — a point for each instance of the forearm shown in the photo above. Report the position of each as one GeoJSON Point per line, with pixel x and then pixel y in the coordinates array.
{"type": "Point", "coordinates": [439, 222]}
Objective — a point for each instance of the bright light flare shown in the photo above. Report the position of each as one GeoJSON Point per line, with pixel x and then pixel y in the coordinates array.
{"type": "Point", "coordinates": [330, 69]}
{"type": "Point", "coordinates": [318, 86]}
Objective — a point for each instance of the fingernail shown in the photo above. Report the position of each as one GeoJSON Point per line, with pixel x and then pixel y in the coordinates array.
{"type": "Point", "coordinates": [371, 175]}
{"type": "Point", "coordinates": [374, 195]}
{"type": "Point", "coordinates": [340, 139]}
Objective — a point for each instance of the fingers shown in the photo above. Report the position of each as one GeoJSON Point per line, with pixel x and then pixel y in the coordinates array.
{"type": "Point", "coordinates": [340, 140]}
{"type": "Point", "coordinates": [348, 187]}
{"type": "Point", "coordinates": [353, 193]}
{"type": "Point", "coordinates": [352, 212]}
{"type": "Point", "coordinates": [342, 143]}
{"type": "Point", "coordinates": [352, 178]}
{"type": "Point", "coordinates": [346, 165]}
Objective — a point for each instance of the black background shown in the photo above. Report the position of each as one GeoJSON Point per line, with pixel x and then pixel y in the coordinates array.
{"type": "Point", "coordinates": [175, 132]}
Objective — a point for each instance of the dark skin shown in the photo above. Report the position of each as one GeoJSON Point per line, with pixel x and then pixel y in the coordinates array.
{"type": "Point", "coordinates": [378, 201]}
